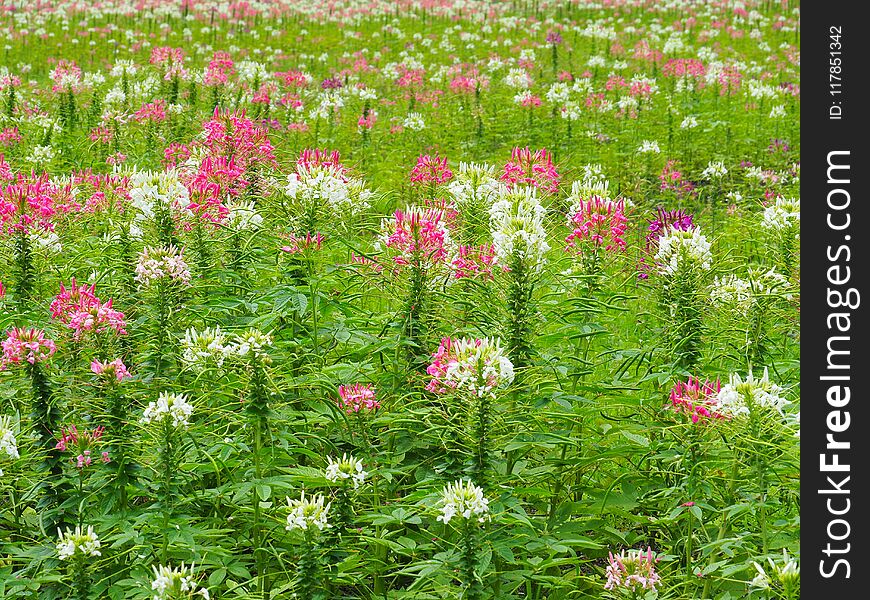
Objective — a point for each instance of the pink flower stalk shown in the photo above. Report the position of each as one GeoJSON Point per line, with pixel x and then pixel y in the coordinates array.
{"type": "Point", "coordinates": [431, 169]}
{"type": "Point", "coordinates": [27, 202]}
{"type": "Point", "coordinates": [416, 234]}
{"type": "Point", "coordinates": [175, 154]}
{"type": "Point", "coordinates": [474, 261]}
{"type": "Point", "coordinates": [600, 221]}
{"type": "Point", "coordinates": [672, 180]}
{"type": "Point", "coordinates": [164, 55]}
{"type": "Point", "coordinates": [83, 443]}
{"type": "Point", "coordinates": [28, 345]}
{"type": "Point", "coordinates": [299, 244]}
{"type": "Point", "coordinates": [310, 158]}
{"type": "Point", "coordinates": [9, 136]}
{"type": "Point", "coordinates": [219, 70]}
{"type": "Point", "coordinates": [73, 299]}
{"type": "Point", "coordinates": [696, 399]}
{"type": "Point", "coordinates": [684, 67]}
{"type": "Point", "coordinates": [532, 168]}
{"type": "Point", "coordinates": [356, 259]}
{"type": "Point", "coordinates": [67, 75]}
{"type": "Point", "coordinates": [153, 112]}
{"type": "Point", "coordinates": [113, 370]}
{"type": "Point", "coordinates": [2, 290]}
{"type": "Point", "coordinates": [633, 571]}
{"type": "Point", "coordinates": [357, 397]}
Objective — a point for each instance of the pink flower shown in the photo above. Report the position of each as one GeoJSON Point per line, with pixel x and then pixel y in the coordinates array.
{"type": "Point", "coordinates": [696, 400]}
{"type": "Point", "coordinates": [633, 570]}
{"type": "Point", "coordinates": [310, 158]}
{"type": "Point", "coordinates": [532, 168]}
{"type": "Point", "coordinates": [431, 169]}
{"type": "Point", "coordinates": [301, 244]}
{"type": "Point", "coordinates": [474, 261]}
{"type": "Point", "coordinates": [114, 370]}
{"type": "Point", "coordinates": [81, 444]}
{"type": "Point", "coordinates": [356, 397]}
{"type": "Point", "coordinates": [600, 221]}
{"type": "Point", "coordinates": [28, 345]}
{"type": "Point", "coordinates": [416, 235]}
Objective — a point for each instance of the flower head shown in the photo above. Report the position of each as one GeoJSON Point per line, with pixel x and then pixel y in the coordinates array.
{"type": "Point", "coordinates": [416, 235]}
{"type": "Point", "coordinates": [164, 263]}
{"type": "Point", "coordinates": [81, 444]}
{"type": "Point", "coordinates": [8, 443]}
{"type": "Point", "coordinates": [478, 366]}
{"type": "Point", "coordinates": [783, 214]}
{"type": "Point", "coordinates": [25, 345]}
{"type": "Point", "coordinates": [463, 499]}
{"type": "Point", "coordinates": [632, 570]}
{"type": "Point", "coordinates": [72, 544]}
{"type": "Point", "coordinates": [201, 349]}
{"type": "Point", "coordinates": [112, 371]}
{"type": "Point", "coordinates": [171, 583]}
{"type": "Point", "coordinates": [431, 169]}
{"type": "Point", "coordinates": [736, 397]}
{"type": "Point", "coordinates": [696, 399]}
{"type": "Point", "coordinates": [357, 397]}
{"type": "Point", "coordinates": [168, 406]}
{"type": "Point", "coordinates": [346, 468]}
{"type": "Point", "coordinates": [307, 513]}
{"type": "Point", "coordinates": [681, 250]}
{"type": "Point", "coordinates": [516, 225]}
{"type": "Point", "coordinates": [535, 169]}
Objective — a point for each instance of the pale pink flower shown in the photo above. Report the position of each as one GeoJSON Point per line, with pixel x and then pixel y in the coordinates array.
{"type": "Point", "coordinates": [28, 345]}
{"type": "Point", "coordinates": [357, 397]}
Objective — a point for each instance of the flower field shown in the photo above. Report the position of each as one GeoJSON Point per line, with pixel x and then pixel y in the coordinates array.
{"type": "Point", "coordinates": [427, 299]}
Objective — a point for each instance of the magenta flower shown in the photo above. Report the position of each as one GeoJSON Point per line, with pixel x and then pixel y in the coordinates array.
{"type": "Point", "coordinates": [532, 168]}
{"type": "Point", "coordinates": [28, 345]}
{"type": "Point", "coordinates": [357, 397]}
{"type": "Point", "coordinates": [478, 366]}
{"type": "Point", "coordinates": [416, 235]}
{"type": "Point", "coordinates": [600, 221]}
{"type": "Point", "coordinates": [299, 244]}
{"type": "Point", "coordinates": [431, 169]}
{"type": "Point", "coordinates": [82, 445]}
{"type": "Point", "coordinates": [474, 261]}
{"type": "Point", "coordinates": [113, 370]}
{"type": "Point", "coordinates": [310, 158]}
{"type": "Point", "coordinates": [696, 400]}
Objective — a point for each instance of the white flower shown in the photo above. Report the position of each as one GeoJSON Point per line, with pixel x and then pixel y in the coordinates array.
{"type": "Point", "coordinates": [474, 185]}
{"type": "Point", "coordinates": [328, 187]}
{"type": "Point", "coordinates": [414, 121]}
{"type": "Point", "coordinates": [8, 443]}
{"type": "Point", "coordinates": [478, 366]}
{"type": "Point", "coordinates": [715, 170]}
{"type": "Point", "coordinates": [165, 262]}
{"type": "Point", "coordinates": [518, 79]}
{"type": "Point", "coordinates": [689, 122]}
{"type": "Point", "coordinates": [168, 406]}
{"type": "Point", "coordinates": [200, 349]}
{"type": "Point", "coordinates": [680, 250]}
{"type": "Point", "coordinates": [463, 499]}
{"type": "Point", "coordinates": [346, 468]}
{"type": "Point", "coordinates": [307, 512]}
{"type": "Point", "coordinates": [151, 191]}
{"type": "Point", "coordinates": [175, 583]}
{"type": "Point", "coordinates": [516, 225]}
{"type": "Point", "coordinates": [732, 292]}
{"type": "Point", "coordinates": [784, 213]}
{"type": "Point", "coordinates": [251, 343]}
{"type": "Point", "coordinates": [242, 216]}
{"type": "Point", "coordinates": [777, 112]}
{"type": "Point", "coordinates": [41, 154]}
{"type": "Point", "coordinates": [786, 575]}
{"type": "Point", "coordinates": [649, 147]}
{"type": "Point", "coordinates": [75, 542]}
{"type": "Point", "coordinates": [732, 398]}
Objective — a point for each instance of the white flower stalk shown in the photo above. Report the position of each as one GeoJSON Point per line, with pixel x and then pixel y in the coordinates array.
{"type": "Point", "coordinates": [478, 366]}
{"type": "Point", "coordinates": [729, 291]}
{"type": "Point", "coordinates": [77, 543]}
{"type": "Point", "coordinates": [463, 499]}
{"type": "Point", "coordinates": [731, 400]}
{"type": "Point", "coordinates": [714, 170]}
{"type": "Point", "coordinates": [8, 443]}
{"type": "Point", "coordinates": [163, 263]}
{"type": "Point", "coordinates": [151, 190]}
{"type": "Point", "coordinates": [242, 216]}
{"type": "Point", "coordinates": [473, 185]}
{"type": "Point", "coordinates": [346, 468]}
{"type": "Point", "coordinates": [328, 187]}
{"type": "Point", "coordinates": [649, 147]}
{"type": "Point", "coordinates": [170, 583]}
{"type": "Point", "coordinates": [201, 349]}
{"type": "Point", "coordinates": [680, 250]}
{"type": "Point", "coordinates": [168, 406]}
{"type": "Point", "coordinates": [308, 513]}
{"type": "Point", "coordinates": [785, 213]}
{"type": "Point", "coordinates": [516, 223]}
{"type": "Point", "coordinates": [785, 575]}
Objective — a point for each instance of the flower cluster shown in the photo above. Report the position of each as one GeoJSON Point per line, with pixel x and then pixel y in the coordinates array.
{"type": "Point", "coordinates": [783, 214]}
{"type": "Point", "coordinates": [516, 225]}
{"type": "Point", "coordinates": [738, 294]}
{"type": "Point", "coordinates": [632, 570]}
{"type": "Point", "coordinates": [154, 191]}
{"type": "Point", "coordinates": [786, 576]}
{"type": "Point", "coordinates": [171, 583]}
{"type": "Point", "coordinates": [8, 443]}
{"type": "Point", "coordinates": [28, 345]}
{"type": "Point", "coordinates": [161, 264]}
{"type": "Point", "coordinates": [474, 261]}
{"type": "Point", "coordinates": [595, 218]}
{"type": "Point", "coordinates": [201, 349]}
{"type": "Point", "coordinates": [357, 397]}
{"type": "Point", "coordinates": [251, 344]}
{"type": "Point", "coordinates": [463, 499]}
{"type": "Point", "coordinates": [81, 444]}
{"type": "Point", "coordinates": [534, 169]}
{"type": "Point", "coordinates": [477, 366]}
{"type": "Point", "coordinates": [307, 513]}
{"type": "Point", "coordinates": [735, 397]}
{"type": "Point", "coordinates": [324, 183]}
{"type": "Point", "coordinates": [346, 468]}
{"type": "Point", "coordinates": [112, 371]}
{"type": "Point", "coordinates": [474, 185]}
{"type": "Point", "coordinates": [696, 400]}
{"type": "Point", "coordinates": [681, 250]}
{"type": "Point", "coordinates": [168, 406]}
{"type": "Point", "coordinates": [74, 544]}
{"type": "Point", "coordinates": [416, 235]}
{"type": "Point", "coordinates": [430, 170]}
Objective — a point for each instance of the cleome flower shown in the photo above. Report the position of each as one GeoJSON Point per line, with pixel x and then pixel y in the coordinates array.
{"type": "Point", "coordinates": [307, 513]}
{"type": "Point", "coordinates": [74, 544]}
{"type": "Point", "coordinates": [200, 349]}
{"type": "Point", "coordinates": [478, 366]}
{"type": "Point", "coordinates": [416, 235]}
{"type": "Point", "coordinates": [696, 400]}
{"type": "Point", "coordinates": [463, 499]}
{"type": "Point", "coordinates": [516, 225]}
{"type": "Point", "coordinates": [163, 263]}
{"type": "Point", "coordinates": [346, 468]}
{"type": "Point", "coordinates": [8, 442]}
{"type": "Point", "coordinates": [25, 345]}
{"type": "Point", "coordinates": [356, 397]}
{"type": "Point", "coordinates": [170, 583]}
{"type": "Point", "coordinates": [168, 406]}
{"type": "Point", "coordinates": [632, 570]}
{"type": "Point", "coordinates": [112, 371]}
{"type": "Point", "coordinates": [679, 250]}
{"type": "Point", "coordinates": [81, 444]}
{"type": "Point", "coordinates": [735, 397]}
{"type": "Point", "coordinates": [784, 577]}
{"type": "Point", "coordinates": [783, 214]}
